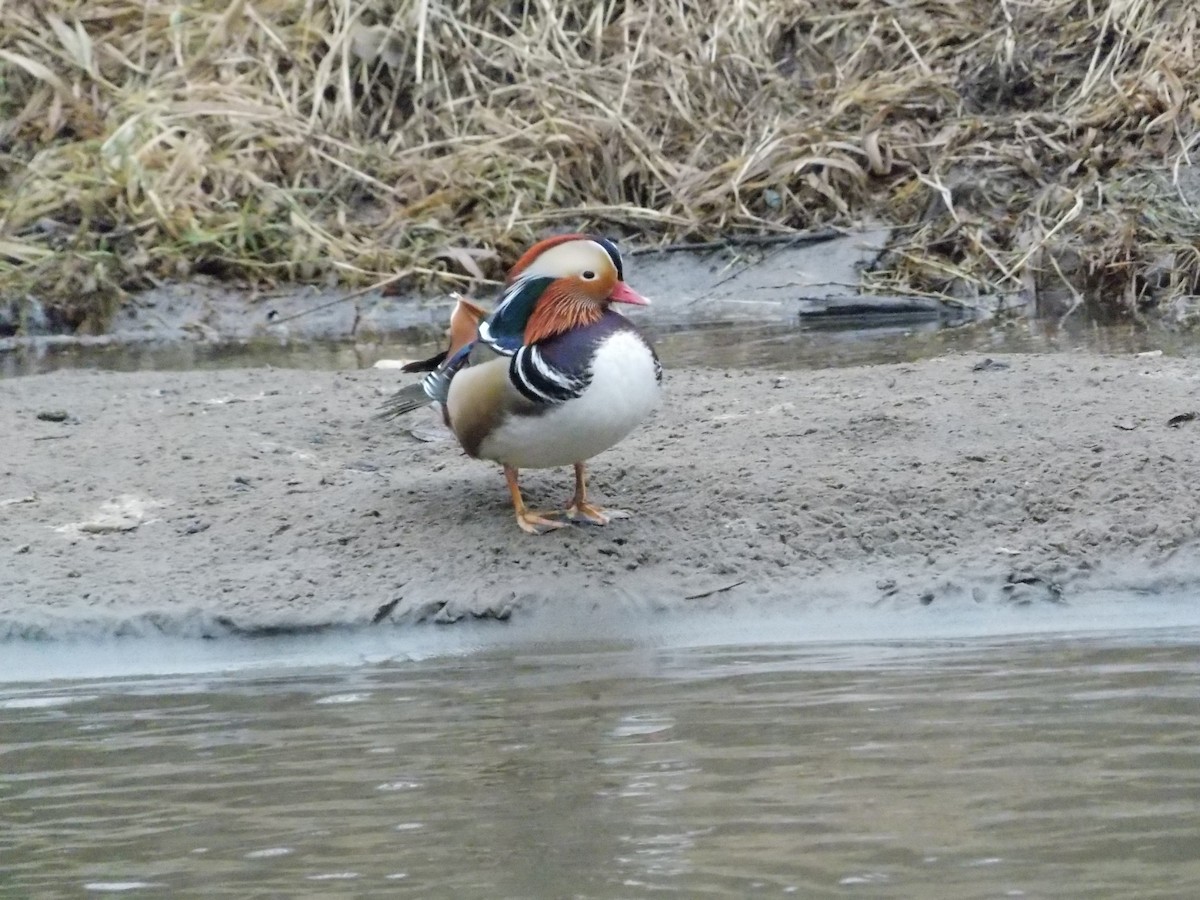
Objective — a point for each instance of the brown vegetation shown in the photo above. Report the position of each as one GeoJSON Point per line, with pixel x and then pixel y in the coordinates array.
{"type": "Point", "coordinates": [1047, 146]}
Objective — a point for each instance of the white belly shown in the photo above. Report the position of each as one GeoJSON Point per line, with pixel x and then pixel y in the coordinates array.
{"type": "Point", "coordinates": [622, 392]}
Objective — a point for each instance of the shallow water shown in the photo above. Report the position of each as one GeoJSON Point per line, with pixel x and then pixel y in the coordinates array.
{"type": "Point", "coordinates": [1051, 765]}
{"type": "Point", "coordinates": [843, 342]}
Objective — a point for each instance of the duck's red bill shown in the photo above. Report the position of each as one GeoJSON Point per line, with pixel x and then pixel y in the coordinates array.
{"type": "Point", "coordinates": [623, 293]}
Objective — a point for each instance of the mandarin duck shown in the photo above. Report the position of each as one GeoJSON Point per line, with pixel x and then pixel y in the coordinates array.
{"type": "Point", "coordinates": [551, 377]}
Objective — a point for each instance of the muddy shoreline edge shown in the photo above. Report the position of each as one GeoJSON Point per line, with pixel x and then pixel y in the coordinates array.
{"type": "Point", "coordinates": [269, 501]}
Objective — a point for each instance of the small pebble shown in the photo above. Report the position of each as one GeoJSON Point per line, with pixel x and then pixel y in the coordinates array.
{"type": "Point", "coordinates": [53, 415]}
{"type": "Point", "coordinates": [985, 365]}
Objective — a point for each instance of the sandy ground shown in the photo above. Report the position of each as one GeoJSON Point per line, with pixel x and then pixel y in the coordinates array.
{"type": "Point", "coordinates": [210, 502]}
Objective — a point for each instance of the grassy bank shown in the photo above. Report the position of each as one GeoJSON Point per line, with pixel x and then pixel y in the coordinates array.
{"type": "Point", "coordinates": [1043, 146]}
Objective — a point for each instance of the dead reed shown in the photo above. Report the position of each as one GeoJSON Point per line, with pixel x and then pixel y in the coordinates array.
{"type": "Point", "coordinates": [1037, 146]}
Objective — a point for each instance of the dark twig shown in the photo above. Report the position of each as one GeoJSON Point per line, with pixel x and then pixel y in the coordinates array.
{"type": "Point", "coordinates": [826, 234]}
{"type": "Point", "coordinates": [384, 611]}
{"type": "Point", "coordinates": [353, 295]}
{"type": "Point", "coordinates": [720, 590]}
{"type": "Point", "coordinates": [749, 240]}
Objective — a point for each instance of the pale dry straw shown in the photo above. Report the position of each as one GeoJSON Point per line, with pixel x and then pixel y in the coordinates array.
{"type": "Point", "coordinates": [1044, 146]}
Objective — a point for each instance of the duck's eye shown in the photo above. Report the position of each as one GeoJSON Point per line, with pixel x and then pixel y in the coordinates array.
{"type": "Point", "coordinates": [589, 275]}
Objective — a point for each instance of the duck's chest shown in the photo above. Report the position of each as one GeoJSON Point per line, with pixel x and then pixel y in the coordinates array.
{"type": "Point", "coordinates": [618, 386]}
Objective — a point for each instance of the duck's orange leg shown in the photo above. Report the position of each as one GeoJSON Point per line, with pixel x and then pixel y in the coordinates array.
{"type": "Point", "coordinates": [530, 521]}
{"type": "Point", "coordinates": [581, 510]}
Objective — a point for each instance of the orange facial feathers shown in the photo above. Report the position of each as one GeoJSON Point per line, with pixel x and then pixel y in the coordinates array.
{"type": "Point", "coordinates": [563, 307]}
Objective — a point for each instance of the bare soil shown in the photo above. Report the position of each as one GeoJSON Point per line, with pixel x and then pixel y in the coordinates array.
{"type": "Point", "coordinates": [251, 500]}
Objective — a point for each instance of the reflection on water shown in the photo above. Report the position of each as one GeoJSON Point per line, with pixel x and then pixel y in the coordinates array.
{"type": "Point", "coordinates": [1047, 767]}
{"type": "Point", "coordinates": [846, 342]}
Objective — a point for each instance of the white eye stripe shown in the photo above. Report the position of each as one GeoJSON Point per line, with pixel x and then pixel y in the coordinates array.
{"type": "Point", "coordinates": [570, 258]}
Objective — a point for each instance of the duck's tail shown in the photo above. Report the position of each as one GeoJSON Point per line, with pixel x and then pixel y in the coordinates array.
{"type": "Point", "coordinates": [405, 400]}
{"type": "Point", "coordinates": [464, 328]}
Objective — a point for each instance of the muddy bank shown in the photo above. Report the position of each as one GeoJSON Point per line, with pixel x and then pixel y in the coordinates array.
{"type": "Point", "coordinates": [207, 502]}
{"type": "Point", "coordinates": [817, 278]}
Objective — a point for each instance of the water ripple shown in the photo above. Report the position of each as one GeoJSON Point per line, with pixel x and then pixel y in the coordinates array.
{"type": "Point", "coordinates": [989, 769]}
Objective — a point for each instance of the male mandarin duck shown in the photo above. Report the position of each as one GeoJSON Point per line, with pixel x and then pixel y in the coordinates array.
{"type": "Point", "coordinates": [552, 377]}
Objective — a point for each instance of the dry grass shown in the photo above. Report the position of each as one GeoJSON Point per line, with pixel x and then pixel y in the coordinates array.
{"type": "Point", "coordinates": [1039, 145]}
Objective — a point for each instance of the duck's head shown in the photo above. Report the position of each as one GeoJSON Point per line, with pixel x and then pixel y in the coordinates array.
{"type": "Point", "coordinates": [570, 281]}
{"type": "Point", "coordinates": [585, 267]}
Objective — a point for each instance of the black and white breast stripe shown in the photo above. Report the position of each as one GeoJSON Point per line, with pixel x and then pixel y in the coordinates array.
{"type": "Point", "coordinates": [541, 382]}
